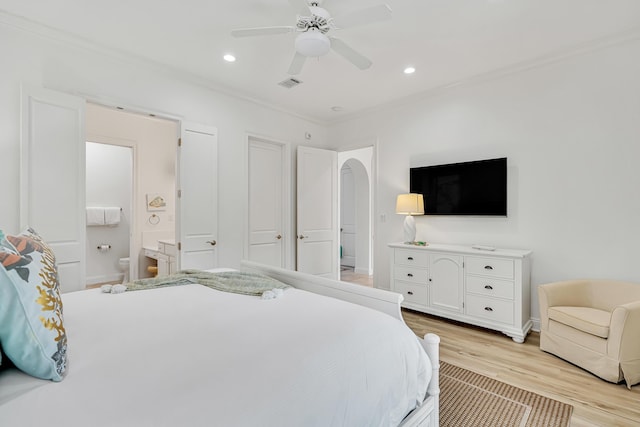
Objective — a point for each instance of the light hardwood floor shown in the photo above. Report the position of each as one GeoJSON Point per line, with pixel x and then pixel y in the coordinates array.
{"type": "Point", "coordinates": [595, 402]}
{"type": "Point", "coordinates": [347, 275]}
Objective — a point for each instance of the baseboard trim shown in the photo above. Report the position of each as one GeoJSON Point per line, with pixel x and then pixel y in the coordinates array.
{"type": "Point", "coordinates": [536, 324]}
{"type": "Point", "coordinates": [105, 278]}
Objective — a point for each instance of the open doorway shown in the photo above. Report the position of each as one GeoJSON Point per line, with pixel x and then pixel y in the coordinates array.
{"type": "Point", "coordinates": [356, 214]}
{"type": "Point", "coordinates": [138, 153]}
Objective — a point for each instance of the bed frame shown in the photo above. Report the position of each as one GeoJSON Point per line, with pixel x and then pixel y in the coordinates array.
{"type": "Point", "coordinates": [427, 414]}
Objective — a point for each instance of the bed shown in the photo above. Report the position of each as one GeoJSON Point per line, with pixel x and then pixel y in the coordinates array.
{"type": "Point", "coordinates": [323, 353]}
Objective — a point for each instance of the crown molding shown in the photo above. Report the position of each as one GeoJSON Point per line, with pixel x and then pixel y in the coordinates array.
{"type": "Point", "coordinates": [74, 41]}
{"type": "Point", "coordinates": [65, 38]}
{"type": "Point", "coordinates": [558, 56]}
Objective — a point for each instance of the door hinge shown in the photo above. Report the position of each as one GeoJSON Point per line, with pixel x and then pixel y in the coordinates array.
{"type": "Point", "coordinates": [179, 246]}
{"type": "Point", "coordinates": [179, 142]}
{"type": "Point", "coordinates": [179, 193]}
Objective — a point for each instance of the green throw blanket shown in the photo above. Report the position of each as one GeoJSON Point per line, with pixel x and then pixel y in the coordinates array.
{"type": "Point", "coordinates": [229, 281]}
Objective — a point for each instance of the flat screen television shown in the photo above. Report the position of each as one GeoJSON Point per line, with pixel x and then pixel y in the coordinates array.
{"type": "Point", "coordinates": [469, 188]}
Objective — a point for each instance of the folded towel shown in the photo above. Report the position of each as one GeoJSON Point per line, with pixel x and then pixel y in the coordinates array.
{"type": "Point", "coordinates": [118, 289]}
{"type": "Point", "coordinates": [111, 216]}
{"type": "Point", "coordinates": [113, 289]}
{"type": "Point", "coordinates": [273, 293]}
{"type": "Point", "coordinates": [95, 216]}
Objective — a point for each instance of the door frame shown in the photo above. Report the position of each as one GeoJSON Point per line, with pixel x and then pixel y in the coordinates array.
{"type": "Point", "coordinates": [343, 157]}
{"type": "Point", "coordinates": [289, 239]}
{"type": "Point", "coordinates": [135, 240]}
{"type": "Point", "coordinates": [125, 106]}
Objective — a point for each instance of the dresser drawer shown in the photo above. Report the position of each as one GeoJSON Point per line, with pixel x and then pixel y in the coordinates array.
{"type": "Point", "coordinates": [411, 257]}
{"type": "Point", "coordinates": [411, 274]}
{"type": "Point", "coordinates": [489, 308]}
{"type": "Point", "coordinates": [413, 293]}
{"type": "Point", "coordinates": [494, 267]}
{"type": "Point", "coordinates": [490, 287]}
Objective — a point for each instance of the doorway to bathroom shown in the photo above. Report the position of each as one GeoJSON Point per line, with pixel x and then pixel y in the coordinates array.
{"type": "Point", "coordinates": [131, 164]}
{"type": "Point", "coordinates": [109, 189]}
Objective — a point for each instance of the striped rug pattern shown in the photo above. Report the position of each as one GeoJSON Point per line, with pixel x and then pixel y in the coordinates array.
{"type": "Point", "coordinates": [468, 399]}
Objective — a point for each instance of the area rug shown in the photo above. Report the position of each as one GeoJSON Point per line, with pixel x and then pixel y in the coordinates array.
{"type": "Point", "coordinates": [474, 400]}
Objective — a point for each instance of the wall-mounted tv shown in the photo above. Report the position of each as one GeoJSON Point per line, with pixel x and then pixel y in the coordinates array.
{"type": "Point", "coordinates": [469, 188]}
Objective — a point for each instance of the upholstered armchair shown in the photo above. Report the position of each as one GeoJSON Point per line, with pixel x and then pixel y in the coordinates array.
{"type": "Point", "coordinates": [594, 324]}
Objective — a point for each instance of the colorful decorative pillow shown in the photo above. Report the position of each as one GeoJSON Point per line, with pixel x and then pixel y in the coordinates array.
{"type": "Point", "coordinates": [31, 325]}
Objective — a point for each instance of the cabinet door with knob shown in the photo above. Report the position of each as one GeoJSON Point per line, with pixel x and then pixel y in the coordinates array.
{"type": "Point", "coordinates": [446, 286]}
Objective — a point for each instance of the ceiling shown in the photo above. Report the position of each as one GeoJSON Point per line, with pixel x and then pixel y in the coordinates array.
{"type": "Point", "coordinates": [447, 41]}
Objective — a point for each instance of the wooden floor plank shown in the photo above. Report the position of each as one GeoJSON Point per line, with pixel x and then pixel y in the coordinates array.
{"type": "Point", "coordinates": [595, 402]}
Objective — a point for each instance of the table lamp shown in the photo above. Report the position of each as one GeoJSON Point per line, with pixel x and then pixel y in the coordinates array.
{"type": "Point", "coordinates": [409, 205]}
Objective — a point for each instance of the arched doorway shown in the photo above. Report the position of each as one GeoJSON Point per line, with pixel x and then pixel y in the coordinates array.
{"type": "Point", "coordinates": [356, 210]}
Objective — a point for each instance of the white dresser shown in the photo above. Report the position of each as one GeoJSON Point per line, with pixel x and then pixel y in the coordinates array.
{"type": "Point", "coordinates": [485, 288]}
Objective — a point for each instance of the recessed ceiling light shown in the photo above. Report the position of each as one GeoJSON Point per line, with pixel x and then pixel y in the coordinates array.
{"type": "Point", "coordinates": [409, 70]}
{"type": "Point", "coordinates": [229, 58]}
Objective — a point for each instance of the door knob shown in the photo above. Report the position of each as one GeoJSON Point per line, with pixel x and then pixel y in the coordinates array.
{"type": "Point", "coordinates": [279, 236]}
{"type": "Point", "coordinates": [211, 242]}
{"type": "Point", "coordinates": [302, 237]}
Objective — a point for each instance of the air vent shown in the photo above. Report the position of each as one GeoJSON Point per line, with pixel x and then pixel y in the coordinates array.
{"type": "Point", "coordinates": [290, 83]}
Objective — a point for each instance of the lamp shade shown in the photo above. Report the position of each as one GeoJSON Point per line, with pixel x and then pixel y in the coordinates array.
{"type": "Point", "coordinates": [410, 204]}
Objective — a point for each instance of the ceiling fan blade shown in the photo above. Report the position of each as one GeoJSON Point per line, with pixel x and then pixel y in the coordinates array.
{"type": "Point", "coordinates": [297, 63]}
{"type": "Point", "coordinates": [261, 31]}
{"type": "Point", "coordinates": [363, 16]}
{"type": "Point", "coordinates": [300, 6]}
{"type": "Point", "coordinates": [349, 54]}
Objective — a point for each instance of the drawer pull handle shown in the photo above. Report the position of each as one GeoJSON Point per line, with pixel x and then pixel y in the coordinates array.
{"type": "Point", "coordinates": [409, 275]}
{"type": "Point", "coordinates": [410, 292]}
{"type": "Point", "coordinates": [488, 309]}
{"type": "Point", "coordinates": [488, 287]}
{"type": "Point", "coordinates": [488, 267]}
{"type": "Point", "coordinates": [410, 258]}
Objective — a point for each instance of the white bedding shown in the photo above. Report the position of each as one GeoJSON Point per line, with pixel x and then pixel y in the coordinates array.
{"type": "Point", "coordinates": [191, 356]}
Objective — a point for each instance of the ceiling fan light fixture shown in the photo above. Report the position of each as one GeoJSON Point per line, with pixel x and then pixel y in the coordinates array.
{"type": "Point", "coordinates": [312, 43]}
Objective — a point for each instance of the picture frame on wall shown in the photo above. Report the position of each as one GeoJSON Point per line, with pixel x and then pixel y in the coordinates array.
{"type": "Point", "coordinates": [156, 202]}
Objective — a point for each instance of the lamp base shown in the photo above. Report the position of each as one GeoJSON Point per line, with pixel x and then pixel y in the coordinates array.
{"type": "Point", "coordinates": [409, 228]}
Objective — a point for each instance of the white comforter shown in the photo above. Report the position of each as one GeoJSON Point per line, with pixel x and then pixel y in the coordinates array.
{"type": "Point", "coordinates": [193, 356]}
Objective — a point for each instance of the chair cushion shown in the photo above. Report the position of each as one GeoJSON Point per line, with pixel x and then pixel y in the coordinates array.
{"type": "Point", "coordinates": [585, 319]}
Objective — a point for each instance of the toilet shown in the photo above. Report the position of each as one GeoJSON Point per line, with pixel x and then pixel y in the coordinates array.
{"type": "Point", "coordinates": [124, 266]}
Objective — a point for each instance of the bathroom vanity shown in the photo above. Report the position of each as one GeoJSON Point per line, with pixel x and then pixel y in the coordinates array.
{"type": "Point", "coordinates": [164, 256]}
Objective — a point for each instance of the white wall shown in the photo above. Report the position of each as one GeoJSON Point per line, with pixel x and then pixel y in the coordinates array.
{"type": "Point", "coordinates": [40, 57]}
{"type": "Point", "coordinates": [571, 133]}
{"type": "Point", "coordinates": [109, 183]}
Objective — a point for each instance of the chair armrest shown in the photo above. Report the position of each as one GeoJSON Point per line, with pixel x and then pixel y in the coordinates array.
{"type": "Point", "coordinates": [567, 293]}
{"type": "Point", "coordinates": [624, 331]}
{"type": "Point", "coordinates": [624, 343]}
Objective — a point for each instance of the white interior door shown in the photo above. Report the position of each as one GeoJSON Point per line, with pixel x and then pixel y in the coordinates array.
{"type": "Point", "coordinates": [52, 187]}
{"type": "Point", "coordinates": [198, 197]}
{"type": "Point", "coordinates": [266, 208]}
{"type": "Point", "coordinates": [317, 222]}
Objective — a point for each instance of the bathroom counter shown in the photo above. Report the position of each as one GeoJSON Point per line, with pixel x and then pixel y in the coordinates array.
{"type": "Point", "coordinates": [164, 254]}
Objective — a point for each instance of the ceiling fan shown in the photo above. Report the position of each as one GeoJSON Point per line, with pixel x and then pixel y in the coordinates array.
{"type": "Point", "coordinates": [313, 25]}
